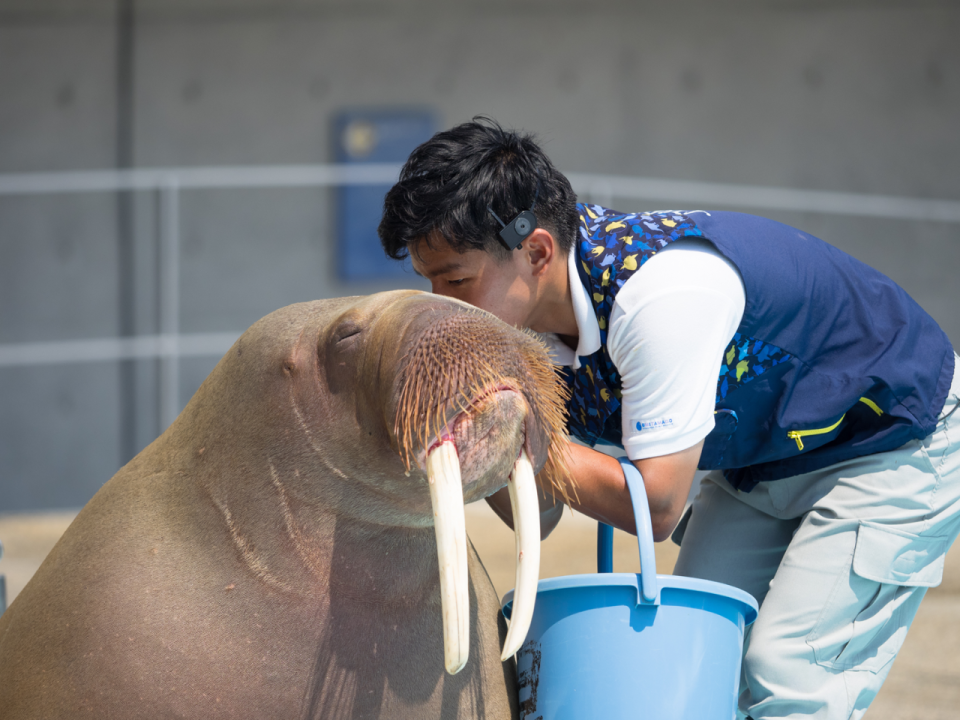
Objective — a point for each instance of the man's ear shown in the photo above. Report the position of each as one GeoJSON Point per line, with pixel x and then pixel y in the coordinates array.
{"type": "Point", "coordinates": [540, 249]}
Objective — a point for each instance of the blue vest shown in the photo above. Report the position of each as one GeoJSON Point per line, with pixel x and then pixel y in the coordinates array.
{"type": "Point", "coordinates": [832, 360]}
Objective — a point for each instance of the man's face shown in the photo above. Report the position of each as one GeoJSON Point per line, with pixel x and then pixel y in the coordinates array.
{"type": "Point", "coordinates": [506, 288]}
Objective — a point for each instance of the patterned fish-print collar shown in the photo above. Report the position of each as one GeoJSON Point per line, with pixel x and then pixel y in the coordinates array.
{"type": "Point", "coordinates": [611, 246]}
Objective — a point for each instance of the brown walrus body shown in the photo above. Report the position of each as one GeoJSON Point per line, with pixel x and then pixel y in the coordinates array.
{"type": "Point", "coordinates": [272, 555]}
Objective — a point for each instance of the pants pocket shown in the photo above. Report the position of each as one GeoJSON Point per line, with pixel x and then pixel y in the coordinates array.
{"type": "Point", "coordinates": [864, 621]}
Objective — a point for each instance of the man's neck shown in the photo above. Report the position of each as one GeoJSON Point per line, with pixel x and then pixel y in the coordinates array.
{"type": "Point", "coordinates": [554, 310]}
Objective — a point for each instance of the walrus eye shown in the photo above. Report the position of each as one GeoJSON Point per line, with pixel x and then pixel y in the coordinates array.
{"type": "Point", "coordinates": [348, 330]}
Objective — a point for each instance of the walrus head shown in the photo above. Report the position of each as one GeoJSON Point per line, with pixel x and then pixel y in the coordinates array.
{"type": "Point", "coordinates": [468, 404]}
{"type": "Point", "coordinates": [390, 410]}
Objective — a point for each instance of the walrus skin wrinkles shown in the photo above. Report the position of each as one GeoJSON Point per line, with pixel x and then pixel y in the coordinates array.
{"type": "Point", "coordinates": [272, 554]}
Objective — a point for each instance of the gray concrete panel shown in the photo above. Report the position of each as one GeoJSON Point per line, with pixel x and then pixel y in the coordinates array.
{"type": "Point", "coordinates": [58, 267]}
{"type": "Point", "coordinates": [248, 252]}
{"type": "Point", "coordinates": [808, 96]}
{"type": "Point", "coordinates": [59, 430]}
{"type": "Point", "coordinates": [57, 84]}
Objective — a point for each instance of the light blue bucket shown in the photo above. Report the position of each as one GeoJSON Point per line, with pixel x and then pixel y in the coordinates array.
{"type": "Point", "coordinates": [620, 645]}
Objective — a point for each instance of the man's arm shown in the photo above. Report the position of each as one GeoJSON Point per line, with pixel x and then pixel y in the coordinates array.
{"type": "Point", "coordinates": [669, 330]}
{"type": "Point", "coordinates": [603, 495]}
{"type": "Point", "coordinates": [602, 492]}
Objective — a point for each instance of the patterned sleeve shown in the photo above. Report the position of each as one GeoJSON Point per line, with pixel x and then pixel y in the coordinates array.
{"type": "Point", "coordinates": [669, 328]}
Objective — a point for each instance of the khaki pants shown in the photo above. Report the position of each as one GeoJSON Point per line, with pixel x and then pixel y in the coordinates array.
{"type": "Point", "coordinates": [839, 560]}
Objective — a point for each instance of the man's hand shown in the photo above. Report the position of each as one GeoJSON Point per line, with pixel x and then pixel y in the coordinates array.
{"type": "Point", "coordinates": [602, 494]}
{"type": "Point", "coordinates": [550, 509]}
{"type": "Point", "coordinates": [602, 491]}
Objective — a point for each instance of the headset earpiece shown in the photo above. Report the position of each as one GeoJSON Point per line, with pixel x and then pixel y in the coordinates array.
{"type": "Point", "coordinates": [518, 229]}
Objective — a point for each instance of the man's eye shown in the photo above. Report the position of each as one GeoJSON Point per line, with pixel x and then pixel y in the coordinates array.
{"type": "Point", "coordinates": [456, 282]}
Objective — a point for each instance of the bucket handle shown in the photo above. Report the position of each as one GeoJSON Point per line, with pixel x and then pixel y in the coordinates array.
{"type": "Point", "coordinates": [641, 514]}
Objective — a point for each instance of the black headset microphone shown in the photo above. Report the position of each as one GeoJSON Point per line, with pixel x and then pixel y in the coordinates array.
{"type": "Point", "coordinates": [518, 229]}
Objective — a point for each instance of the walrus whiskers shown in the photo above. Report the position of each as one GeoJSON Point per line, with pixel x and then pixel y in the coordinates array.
{"type": "Point", "coordinates": [429, 395]}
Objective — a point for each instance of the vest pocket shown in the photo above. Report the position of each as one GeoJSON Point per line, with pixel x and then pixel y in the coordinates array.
{"type": "Point", "coordinates": [798, 435]}
{"type": "Point", "coordinates": [887, 568]}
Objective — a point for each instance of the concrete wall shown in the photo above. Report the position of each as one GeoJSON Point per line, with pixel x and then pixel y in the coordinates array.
{"type": "Point", "coordinates": [845, 96]}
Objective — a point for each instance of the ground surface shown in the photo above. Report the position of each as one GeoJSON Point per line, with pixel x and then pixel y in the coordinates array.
{"type": "Point", "coordinates": [923, 684]}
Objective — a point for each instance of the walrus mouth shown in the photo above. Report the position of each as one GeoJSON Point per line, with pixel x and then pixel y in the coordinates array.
{"type": "Point", "coordinates": [446, 498]}
{"type": "Point", "coordinates": [459, 367]}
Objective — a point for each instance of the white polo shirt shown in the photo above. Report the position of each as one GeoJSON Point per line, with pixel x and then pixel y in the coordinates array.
{"type": "Point", "coordinates": [670, 323]}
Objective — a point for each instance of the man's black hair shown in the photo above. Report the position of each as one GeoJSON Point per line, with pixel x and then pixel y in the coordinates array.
{"type": "Point", "coordinates": [448, 183]}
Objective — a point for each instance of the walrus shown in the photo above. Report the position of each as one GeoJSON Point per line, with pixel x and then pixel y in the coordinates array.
{"type": "Point", "coordinates": [293, 545]}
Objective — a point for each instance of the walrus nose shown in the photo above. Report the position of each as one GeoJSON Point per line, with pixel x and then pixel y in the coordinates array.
{"type": "Point", "coordinates": [446, 497]}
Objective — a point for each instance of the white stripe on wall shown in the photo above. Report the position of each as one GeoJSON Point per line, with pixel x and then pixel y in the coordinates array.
{"type": "Point", "coordinates": [614, 186]}
{"type": "Point", "coordinates": [104, 349]}
{"type": "Point", "coordinates": [599, 188]}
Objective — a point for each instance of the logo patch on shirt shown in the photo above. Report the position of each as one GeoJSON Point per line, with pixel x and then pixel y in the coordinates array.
{"type": "Point", "coordinates": [654, 424]}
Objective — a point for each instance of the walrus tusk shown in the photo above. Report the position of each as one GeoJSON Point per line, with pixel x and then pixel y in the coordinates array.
{"type": "Point", "coordinates": [526, 525]}
{"type": "Point", "coordinates": [446, 495]}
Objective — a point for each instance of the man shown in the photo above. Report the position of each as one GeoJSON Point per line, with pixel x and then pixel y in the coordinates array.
{"type": "Point", "coordinates": [821, 397]}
